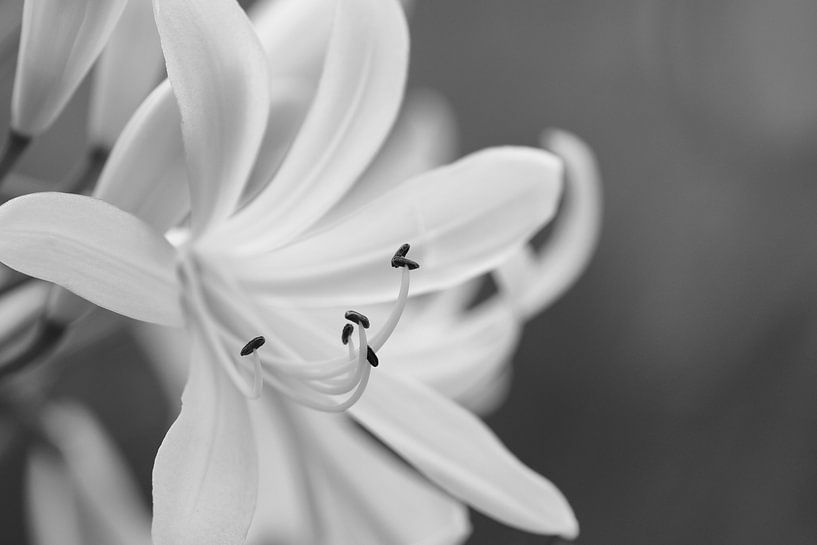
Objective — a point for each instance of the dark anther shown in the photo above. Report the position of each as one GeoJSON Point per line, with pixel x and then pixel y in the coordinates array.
{"type": "Point", "coordinates": [253, 345]}
{"type": "Point", "coordinates": [400, 259]}
{"type": "Point", "coordinates": [371, 357]}
{"type": "Point", "coordinates": [347, 332]}
{"type": "Point", "coordinates": [358, 318]}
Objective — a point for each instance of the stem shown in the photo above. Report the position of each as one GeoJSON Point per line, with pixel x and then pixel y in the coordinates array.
{"type": "Point", "coordinates": [16, 144]}
{"type": "Point", "coordinates": [43, 345]}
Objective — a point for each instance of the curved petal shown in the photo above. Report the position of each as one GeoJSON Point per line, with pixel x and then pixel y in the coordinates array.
{"type": "Point", "coordinates": [375, 499]}
{"type": "Point", "coordinates": [205, 478]}
{"type": "Point", "coordinates": [100, 477]}
{"type": "Point", "coordinates": [281, 23]}
{"type": "Point", "coordinates": [145, 173]}
{"type": "Point", "coordinates": [458, 356]}
{"type": "Point", "coordinates": [533, 280]}
{"type": "Point", "coordinates": [94, 250]}
{"type": "Point", "coordinates": [459, 453]}
{"type": "Point", "coordinates": [219, 75]}
{"type": "Point", "coordinates": [461, 220]}
{"type": "Point", "coordinates": [59, 42]}
{"type": "Point", "coordinates": [288, 106]}
{"type": "Point", "coordinates": [126, 73]}
{"type": "Point", "coordinates": [356, 103]}
{"type": "Point", "coordinates": [424, 137]}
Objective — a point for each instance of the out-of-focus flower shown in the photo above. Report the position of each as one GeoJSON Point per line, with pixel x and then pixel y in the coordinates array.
{"type": "Point", "coordinates": [78, 489]}
{"type": "Point", "coordinates": [248, 268]}
{"type": "Point", "coordinates": [59, 42]}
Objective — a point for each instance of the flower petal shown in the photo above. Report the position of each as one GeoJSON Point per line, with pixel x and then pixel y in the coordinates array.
{"type": "Point", "coordinates": [126, 73]}
{"type": "Point", "coordinates": [461, 220]}
{"type": "Point", "coordinates": [533, 280]}
{"type": "Point", "coordinates": [220, 78]}
{"type": "Point", "coordinates": [289, 103]}
{"type": "Point", "coordinates": [285, 510]}
{"type": "Point", "coordinates": [93, 249]}
{"type": "Point", "coordinates": [370, 497]}
{"type": "Point", "coordinates": [100, 476]}
{"type": "Point", "coordinates": [356, 103]}
{"type": "Point", "coordinates": [59, 42]}
{"type": "Point", "coordinates": [460, 355]}
{"type": "Point", "coordinates": [281, 23]}
{"type": "Point", "coordinates": [145, 174]}
{"type": "Point", "coordinates": [424, 137]}
{"type": "Point", "coordinates": [459, 453]}
{"type": "Point", "coordinates": [205, 477]}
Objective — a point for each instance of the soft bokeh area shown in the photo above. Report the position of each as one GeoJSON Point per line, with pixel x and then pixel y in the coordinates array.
{"type": "Point", "coordinates": [672, 393]}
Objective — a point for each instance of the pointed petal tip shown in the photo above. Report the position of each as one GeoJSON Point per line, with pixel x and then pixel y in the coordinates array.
{"type": "Point", "coordinates": [459, 453]}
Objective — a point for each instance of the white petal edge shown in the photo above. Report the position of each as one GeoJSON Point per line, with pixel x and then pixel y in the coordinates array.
{"type": "Point", "coordinates": [145, 173]}
{"type": "Point", "coordinates": [375, 499]}
{"type": "Point", "coordinates": [58, 44]}
{"type": "Point", "coordinates": [205, 478]}
{"type": "Point", "coordinates": [127, 71]}
{"type": "Point", "coordinates": [459, 356]}
{"type": "Point", "coordinates": [220, 78]}
{"type": "Point", "coordinates": [357, 101]}
{"type": "Point", "coordinates": [462, 455]}
{"type": "Point", "coordinates": [424, 137]}
{"type": "Point", "coordinates": [281, 23]}
{"type": "Point", "coordinates": [461, 220]}
{"type": "Point", "coordinates": [95, 250]}
{"type": "Point", "coordinates": [534, 280]}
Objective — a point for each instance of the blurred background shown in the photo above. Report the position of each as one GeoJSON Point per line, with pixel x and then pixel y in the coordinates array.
{"type": "Point", "coordinates": [672, 394]}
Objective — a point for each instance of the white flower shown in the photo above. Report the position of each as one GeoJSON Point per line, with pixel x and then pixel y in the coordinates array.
{"type": "Point", "coordinates": [249, 269]}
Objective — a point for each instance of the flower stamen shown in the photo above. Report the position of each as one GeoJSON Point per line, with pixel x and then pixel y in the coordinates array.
{"type": "Point", "coordinates": [253, 345]}
{"type": "Point", "coordinates": [331, 385]}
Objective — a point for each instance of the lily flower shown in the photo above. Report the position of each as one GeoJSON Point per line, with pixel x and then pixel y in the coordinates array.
{"type": "Point", "coordinates": [78, 488]}
{"type": "Point", "coordinates": [248, 266]}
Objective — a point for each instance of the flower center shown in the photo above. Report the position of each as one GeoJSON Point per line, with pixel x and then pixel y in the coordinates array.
{"type": "Point", "coordinates": [217, 305]}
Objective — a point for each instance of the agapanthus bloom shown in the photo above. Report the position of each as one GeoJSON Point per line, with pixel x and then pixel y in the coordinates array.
{"type": "Point", "coordinates": [263, 247]}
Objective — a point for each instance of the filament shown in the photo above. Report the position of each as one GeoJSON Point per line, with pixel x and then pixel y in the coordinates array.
{"type": "Point", "coordinates": [331, 384]}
